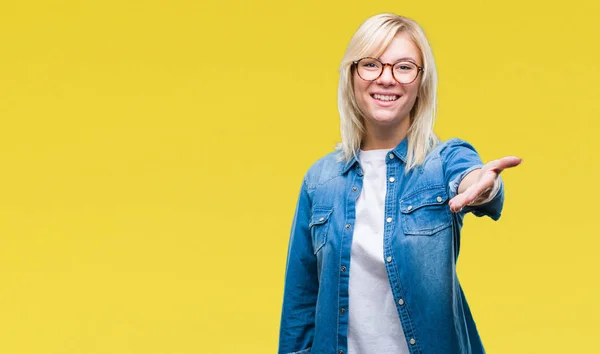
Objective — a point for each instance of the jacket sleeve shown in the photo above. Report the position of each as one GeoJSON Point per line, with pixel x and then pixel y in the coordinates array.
{"type": "Point", "coordinates": [301, 284]}
{"type": "Point", "coordinates": [459, 158]}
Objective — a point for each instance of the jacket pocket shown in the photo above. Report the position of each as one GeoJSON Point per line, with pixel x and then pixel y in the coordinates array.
{"type": "Point", "coordinates": [425, 212]}
{"type": "Point", "coordinates": [319, 226]}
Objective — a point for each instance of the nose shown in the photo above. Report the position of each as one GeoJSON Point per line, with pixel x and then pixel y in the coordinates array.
{"type": "Point", "coordinates": [387, 76]}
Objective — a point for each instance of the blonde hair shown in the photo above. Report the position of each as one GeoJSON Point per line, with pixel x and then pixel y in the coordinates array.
{"type": "Point", "coordinates": [371, 39]}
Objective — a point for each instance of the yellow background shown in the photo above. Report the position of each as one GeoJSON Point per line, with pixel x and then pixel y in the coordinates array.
{"type": "Point", "coordinates": [151, 153]}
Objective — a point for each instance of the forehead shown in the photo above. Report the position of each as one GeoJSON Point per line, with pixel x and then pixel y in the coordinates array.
{"type": "Point", "coordinates": [401, 47]}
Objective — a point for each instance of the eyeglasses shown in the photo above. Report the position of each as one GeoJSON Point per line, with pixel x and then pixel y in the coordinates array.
{"type": "Point", "coordinates": [404, 72]}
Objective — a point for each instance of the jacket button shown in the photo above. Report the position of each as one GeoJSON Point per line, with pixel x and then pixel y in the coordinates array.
{"type": "Point", "coordinates": [342, 310]}
{"type": "Point", "coordinates": [347, 226]}
{"type": "Point", "coordinates": [340, 352]}
{"type": "Point", "coordinates": [343, 268]}
{"type": "Point", "coordinates": [401, 302]}
{"type": "Point", "coordinates": [412, 341]}
{"type": "Point", "coordinates": [439, 199]}
{"type": "Point", "coordinates": [389, 259]}
{"type": "Point", "coordinates": [354, 189]}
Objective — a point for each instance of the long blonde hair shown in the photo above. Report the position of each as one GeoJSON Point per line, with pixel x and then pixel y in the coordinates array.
{"type": "Point", "coordinates": [371, 39]}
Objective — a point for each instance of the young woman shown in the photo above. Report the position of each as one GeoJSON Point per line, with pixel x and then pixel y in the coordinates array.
{"type": "Point", "coordinates": [371, 266]}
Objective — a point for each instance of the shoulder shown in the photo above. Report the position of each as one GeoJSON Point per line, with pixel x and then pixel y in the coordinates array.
{"type": "Point", "coordinates": [452, 145]}
{"type": "Point", "coordinates": [452, 148]}
{"type": "Point", "coordinates": [325, 169]}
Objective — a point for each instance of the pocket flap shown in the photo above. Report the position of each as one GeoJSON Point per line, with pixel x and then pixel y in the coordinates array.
{"type": "Point", "coordinates": [320, 216]}
{"type": "Point", "coordinates": [434, 196]}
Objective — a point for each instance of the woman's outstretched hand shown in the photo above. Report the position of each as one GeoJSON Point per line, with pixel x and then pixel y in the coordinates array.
{"type": "Point", "coordinates": [477, 185]}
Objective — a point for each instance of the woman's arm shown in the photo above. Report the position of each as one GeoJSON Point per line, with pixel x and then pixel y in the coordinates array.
{"type": "Point", "coordinates": [301, 284]}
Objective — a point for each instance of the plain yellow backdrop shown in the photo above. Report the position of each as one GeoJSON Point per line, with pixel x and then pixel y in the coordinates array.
{"type": "Point", "coordinates": [151, 153]}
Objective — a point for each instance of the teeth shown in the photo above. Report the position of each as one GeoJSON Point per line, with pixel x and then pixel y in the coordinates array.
{"type": "Point", "coordinates": [385, 97]}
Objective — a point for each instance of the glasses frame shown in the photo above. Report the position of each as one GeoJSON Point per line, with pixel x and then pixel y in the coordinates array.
{"type": "Point", "coordinates": [391, 65]}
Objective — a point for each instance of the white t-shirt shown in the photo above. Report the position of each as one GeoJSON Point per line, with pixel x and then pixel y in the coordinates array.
{"type": "Point", "coordinates": [373, 324]}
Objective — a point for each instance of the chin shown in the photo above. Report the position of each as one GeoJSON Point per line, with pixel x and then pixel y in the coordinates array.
{"type": "Point", "coordinates": [386, 118]}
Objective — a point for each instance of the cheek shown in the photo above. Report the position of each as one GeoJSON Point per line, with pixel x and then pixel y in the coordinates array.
{"type": "Point", "coordinates": [412, 93]}
{"type": "Point", "coordinates": [415, 88]}
{"type": "Point", "coordinates": [359, 91]}
{"type": "Point", "coordinates": [360, 87]}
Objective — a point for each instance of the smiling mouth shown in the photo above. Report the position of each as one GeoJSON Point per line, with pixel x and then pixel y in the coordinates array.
{"type": "Point", "coordinates": [386, 98]}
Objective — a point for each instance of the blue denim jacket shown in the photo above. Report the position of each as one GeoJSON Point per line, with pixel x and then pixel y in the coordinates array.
{"type": "Point", "coordinates": [420, 250]}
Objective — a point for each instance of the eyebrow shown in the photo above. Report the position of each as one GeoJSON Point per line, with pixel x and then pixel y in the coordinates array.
{"type": "Point", "coordinates": [402, 59]}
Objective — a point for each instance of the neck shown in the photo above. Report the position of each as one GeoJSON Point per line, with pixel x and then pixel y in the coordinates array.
{"type": "Point", "coordinates": [384, 137]}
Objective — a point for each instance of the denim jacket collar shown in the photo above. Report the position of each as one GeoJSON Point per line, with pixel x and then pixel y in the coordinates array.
{"type": "Point", "coordinates": [400, 151]}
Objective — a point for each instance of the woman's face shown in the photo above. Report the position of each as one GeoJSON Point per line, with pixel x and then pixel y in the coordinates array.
{"type": "Point", "coordinates": [384, 101]}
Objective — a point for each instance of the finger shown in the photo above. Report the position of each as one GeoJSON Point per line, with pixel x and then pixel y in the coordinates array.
{"type": "Point", "coordinates": [456, 203]}
{"type": "Point", "coordinates": [473, 192]}
{"type": "Point", "coordinates": [503, 163]}
{"type": "Point", "coordinates": [460, 201]}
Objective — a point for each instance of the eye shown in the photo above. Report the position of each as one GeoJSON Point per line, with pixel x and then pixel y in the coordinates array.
{"type": "Point", "coordinates": [405, 66]}
{"type": "Point", "coordinates": [369, 64]}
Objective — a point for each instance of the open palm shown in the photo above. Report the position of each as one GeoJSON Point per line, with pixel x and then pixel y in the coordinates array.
{"type": "Point", "coordinates": [487, 176]}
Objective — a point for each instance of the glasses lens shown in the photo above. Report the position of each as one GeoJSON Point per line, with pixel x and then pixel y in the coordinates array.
{"type": "Point", "coordinates": [405, 72]}
{"type": "Point", "coordinates": [369, 69]}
